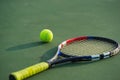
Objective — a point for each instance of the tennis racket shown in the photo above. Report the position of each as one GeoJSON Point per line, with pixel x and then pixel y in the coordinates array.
{"type": "Point", "coordinates": [84, 48]}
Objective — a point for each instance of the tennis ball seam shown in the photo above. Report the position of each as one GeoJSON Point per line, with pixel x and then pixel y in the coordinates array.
{"type": "Point", "coordinates": [49, 36]}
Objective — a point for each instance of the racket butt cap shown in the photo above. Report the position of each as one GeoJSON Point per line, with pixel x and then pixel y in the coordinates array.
{"type": "Point", "coordinates": [12, 77]}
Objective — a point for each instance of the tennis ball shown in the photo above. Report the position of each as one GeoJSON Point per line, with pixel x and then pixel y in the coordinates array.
{"type": "Point", "coordinates": [46, 35]}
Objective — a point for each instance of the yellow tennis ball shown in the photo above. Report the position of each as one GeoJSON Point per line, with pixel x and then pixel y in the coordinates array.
{"type": "Point", "coordinates": [46, 35]}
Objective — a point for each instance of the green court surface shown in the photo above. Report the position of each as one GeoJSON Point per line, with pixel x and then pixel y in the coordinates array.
{"type": "Point", "coordinates": [22, 20]}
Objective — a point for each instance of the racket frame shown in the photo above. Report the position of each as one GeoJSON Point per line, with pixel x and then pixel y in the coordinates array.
{"type": "Point", "coordinates": [56, 60]}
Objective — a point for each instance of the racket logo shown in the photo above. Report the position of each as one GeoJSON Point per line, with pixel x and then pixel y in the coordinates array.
{"type": "Point", "coordinates": [114, 52]}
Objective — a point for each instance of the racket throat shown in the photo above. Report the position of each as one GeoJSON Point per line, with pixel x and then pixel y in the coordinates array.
{"type": "Point", "coordinates": [59, 62]}
{"type": "Point", "coordinates": [69, 60]}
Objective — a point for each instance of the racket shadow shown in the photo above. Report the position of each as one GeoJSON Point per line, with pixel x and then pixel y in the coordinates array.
{"type": "Point", "coordinates": [48, 54]}
{"type": "Point", "coordinates": [25, 46]}
{"type": "Point", "coordinates": [74, 64]}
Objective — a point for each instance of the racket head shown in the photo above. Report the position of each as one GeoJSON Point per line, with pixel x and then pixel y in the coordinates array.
{"type": "Point", "coordinates": [88, 48]}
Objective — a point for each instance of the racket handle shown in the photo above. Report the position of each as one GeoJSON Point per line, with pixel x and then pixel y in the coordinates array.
{"type": "Point", "coordinates": [29, 71]}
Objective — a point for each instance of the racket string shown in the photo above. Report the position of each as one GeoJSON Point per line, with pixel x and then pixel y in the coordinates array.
{"type": "Point", "coordinates": [87, 47]}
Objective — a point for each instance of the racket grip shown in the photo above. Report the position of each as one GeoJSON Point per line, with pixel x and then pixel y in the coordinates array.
{"type": "Point", "coordinates": [29, 71]}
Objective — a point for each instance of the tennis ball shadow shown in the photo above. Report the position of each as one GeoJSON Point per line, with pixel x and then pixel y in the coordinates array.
{"type": "Point", "coordinates": [25, 46]}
